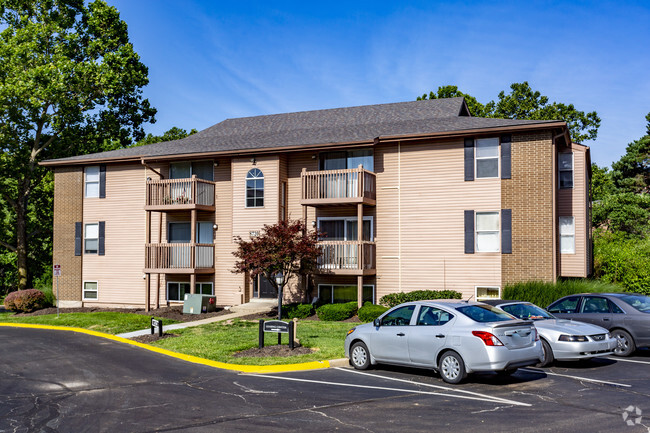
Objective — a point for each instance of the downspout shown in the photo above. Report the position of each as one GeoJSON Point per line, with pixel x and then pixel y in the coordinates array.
{"type": "Point", "coordinates": [399, 210]}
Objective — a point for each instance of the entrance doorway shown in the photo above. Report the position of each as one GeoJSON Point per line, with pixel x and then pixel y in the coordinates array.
{"type": "Point", "coordinates": [262, 288]}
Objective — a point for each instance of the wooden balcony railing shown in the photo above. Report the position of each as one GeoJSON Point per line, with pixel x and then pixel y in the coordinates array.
{"type": "Point", "coordinates": [351, 257]}
{"type": "Point", "coordinates": [180, 193]}
{"type": "Point", "coordinates": [355, 185]}
{"type": "Point", "coordinates": [188, 256]}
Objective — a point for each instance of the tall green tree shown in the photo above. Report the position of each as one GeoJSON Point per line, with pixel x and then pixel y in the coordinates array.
{"type": "Point", "coordinates": [631, 173]}
{"type": "Point", "coordinates": [70, 83]}
{"type": "Point", "coordinates": [174, 133]}
{"type": "Point", "coordinates": [525, 103]}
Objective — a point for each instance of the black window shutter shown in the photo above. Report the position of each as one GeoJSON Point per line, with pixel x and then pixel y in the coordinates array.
{"type": "Point", "coordinates": [506, 145]}
{"type": "Point", "coordinates": [469, 232]}
{"type": "Point", "coordinates": [102, 236]}
{"type": "Point", "coordinates": [102, 181]}
{"type": "Point", "coordinates": [77, 239]}
{"type": "Point", "coordinates": [469, 159]}
{"type": "Point", "coordinates": [506, 231]}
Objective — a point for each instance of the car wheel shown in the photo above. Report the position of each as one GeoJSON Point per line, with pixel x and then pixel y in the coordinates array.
{"type": "Point", "coordinates": [452, 367]}
{"type": "Point", "coordinates": [625, 343]}
{"type": "Point", "coordinates": [359, 356]}
{"type": "Point", "coordinates": [548, 355]}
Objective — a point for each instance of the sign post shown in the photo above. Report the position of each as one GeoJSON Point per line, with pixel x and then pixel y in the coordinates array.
{"type": "Point", "coordinates": [57, 273]}
{"type": "Point", "coordinates": [156, 324]}
{"type": "Point", "coordinates": [276, 326]}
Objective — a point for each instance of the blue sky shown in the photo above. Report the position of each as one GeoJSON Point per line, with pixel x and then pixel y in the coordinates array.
{"type": "Point", "coordinates": [212, 60]}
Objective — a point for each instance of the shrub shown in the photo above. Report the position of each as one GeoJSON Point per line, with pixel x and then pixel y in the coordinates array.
{"type": "Point", "coordinates": [623, 261]}
{"type": "Point", "coordinates": [394, 299]}
{"type": "Point", "coordinates": [370, 312]}
{"type": "Point", "coordinates": [25, 301]}
{"type": "Point", "coordinates": [298, 311]}
{"type": "Point", "coordinates": [544, 293]}
{"type": "Point", "coordinates": [336, 312]}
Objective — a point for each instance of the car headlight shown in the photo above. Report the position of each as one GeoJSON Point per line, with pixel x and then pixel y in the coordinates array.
{"type": "Point", "coordinates": [574, 338]}
{"type": "Point", "coordinates": [351, 331]}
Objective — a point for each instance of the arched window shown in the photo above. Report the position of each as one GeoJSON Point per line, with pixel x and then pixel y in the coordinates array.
{"type": "Point", "coordinates": [255, 188]}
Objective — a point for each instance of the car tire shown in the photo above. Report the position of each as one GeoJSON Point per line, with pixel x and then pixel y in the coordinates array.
{"type": "Point", "coordinates": [359, 356]}
{"type": "Point", "coordinates": [452, 367]}
{"type": "Point", "coordinates": [626, 344]}
{"type": "Point", "coordinates": [548, 355]}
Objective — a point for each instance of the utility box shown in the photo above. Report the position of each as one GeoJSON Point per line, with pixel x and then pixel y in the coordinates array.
{"type": "Point", "coordinates": [197, 304]}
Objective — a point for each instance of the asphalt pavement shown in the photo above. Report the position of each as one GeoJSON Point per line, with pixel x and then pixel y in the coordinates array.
{"type": "Point", "coordinates": [70, 382]}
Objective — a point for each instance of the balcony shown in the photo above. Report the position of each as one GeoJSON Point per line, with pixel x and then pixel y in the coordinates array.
{"type": "Point", "coordinates": [187, 258]}
{"type": "Point", "coordinates": [347, 258]}
{"type": "Point", "coordinates": [338, 187]}
{"type": "Point", "coordinates": [180, 194]}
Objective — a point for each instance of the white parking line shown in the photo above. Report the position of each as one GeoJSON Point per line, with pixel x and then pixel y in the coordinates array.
{"type": "Point", "coordinates": [408, 391]}
{"type": "Point", "coordinates": [430, 385]}
{"type": "Point", "coordinates": [629, 360]}
{"type": "Point", "coordinates": [586, 379]}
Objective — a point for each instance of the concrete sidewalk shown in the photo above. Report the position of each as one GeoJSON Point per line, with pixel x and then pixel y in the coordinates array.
{"type": "Point", "coordinates": [254, 307]}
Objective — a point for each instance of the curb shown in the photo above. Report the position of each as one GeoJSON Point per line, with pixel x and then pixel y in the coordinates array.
{"type": "Point", "coordinates": [255, 369]}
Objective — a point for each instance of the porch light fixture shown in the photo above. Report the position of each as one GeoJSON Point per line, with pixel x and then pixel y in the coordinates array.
{"type": "Point", "coordinates": [253, 161]}
{"type": "Point", "coordinates": [313, 156]}
{"type": "Point", "coordinates": [313, 223]}
{"type": "Point", "coordinates": [215, 227]}
{"type": "Point", "coordinates": [216, 163]}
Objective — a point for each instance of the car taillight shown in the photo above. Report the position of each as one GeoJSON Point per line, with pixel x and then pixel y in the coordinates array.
{"type": "Point", "coordinates": [488, 339]}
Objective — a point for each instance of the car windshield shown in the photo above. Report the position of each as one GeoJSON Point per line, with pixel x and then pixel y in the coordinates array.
{"type": "Point", "coordinates": [640, 302]}
{"type": "Point", "coordinates": [485, 313]}
{"type": "Point", "coordinates": [527, 311]}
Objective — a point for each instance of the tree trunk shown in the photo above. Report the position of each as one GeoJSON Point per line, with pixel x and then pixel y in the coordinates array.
{"type": "Point", "coordinates": [21, 239]}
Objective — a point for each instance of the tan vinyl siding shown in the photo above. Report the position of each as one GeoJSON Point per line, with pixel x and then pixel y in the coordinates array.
{"type": "Point", "coordinates": [421, 188]}
{"type": "Point", "coordinates": [119, 272]}
{"type": "Point", "coordinates": [571, 202]}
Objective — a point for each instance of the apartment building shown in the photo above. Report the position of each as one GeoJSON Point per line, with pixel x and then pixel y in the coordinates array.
{"type": "Point", "coordinates": [413, 195]}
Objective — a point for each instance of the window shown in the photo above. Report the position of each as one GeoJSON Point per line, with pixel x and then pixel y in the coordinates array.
{"type": "Point", "coordinates": [565, 166]}
{"type": "Point", "coordinates": [398, 317]}
{"type": "Point", "coordinates": [336, 294]}
{"type": "Point", "coordinates": [347, 159]}
{"type": "Point", "coordinates": [255, 188]}
{"type": "Point", "coordinates": [204, 288]}
{"type": "Point", "coordinates": [184, 170]}
{"type": "Point", "coordinates": [567, 305]}
{"type": "Point", "coordinates": [176, 291]}
{"type": "Point", "coordinates": [91, 238]}
{"type": "Point", "coordinates": [283, 201]}
{"type": "Point", "coordinates": [92, 181]}
{"type": "Point", "coordinates": [179, 232]}
{"type": "Point", "coordinates": [487, 157]}
{"type": "Point", "coordinates": [487, 231]}
{"type": "Point", "coordinates": [345, 229]}
{"type": "Point", "coordinates": [90, 290]}
{"type": "Point", "coordinates": [430, 316]}
{"type": "Point", "coordinates": [482, 293]}
{"type": "Point", "coordinates": [567, 235]}
{"type": "Point", "coordinates": [593, 304]}
{"type": "Point", "coordinates": [485, 313]}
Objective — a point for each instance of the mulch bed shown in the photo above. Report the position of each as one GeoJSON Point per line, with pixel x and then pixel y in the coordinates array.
{"type": "Point", "coordinates": [148, 338]}
{"type": "Point", "coordinates": [170, 313]}
{"type": "Point", "coordinates": [283, 350]}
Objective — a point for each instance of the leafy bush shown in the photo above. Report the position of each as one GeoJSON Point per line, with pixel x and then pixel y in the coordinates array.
{"type": "Point", "coordinates": [336, 312]}
{"type": "Point", "coordinates": [25, 301]}
{"type": "Point", "coordinates": [370, 312]}
{"type": "Point", "coordinates": [543, 293]}
{"type": "Point", "coordinates": [394, 299]}
{"type": "Point", "coordinates": [44, 284]}
{"type": "Point", "coordinates": [623, 261]}
{"type": "Point", "coordinates": [298, 311]}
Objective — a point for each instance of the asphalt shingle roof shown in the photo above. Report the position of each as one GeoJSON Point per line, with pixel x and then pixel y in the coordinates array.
{"type": "Point", "coordinates": [308, 128]}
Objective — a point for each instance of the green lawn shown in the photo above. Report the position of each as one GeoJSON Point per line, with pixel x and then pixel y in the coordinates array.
{"type": "Point", "coordinates": [218, 341]}
{"type": "Point", "coordinates": [109, 322]}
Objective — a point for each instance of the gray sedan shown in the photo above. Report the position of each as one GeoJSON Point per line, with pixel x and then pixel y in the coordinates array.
{"type": "Point", "coordinates": [452, 337]}
{"type": "Point", "coordinates": [625, 315]}
{"type": "Point", "coordinates": [564, 340]}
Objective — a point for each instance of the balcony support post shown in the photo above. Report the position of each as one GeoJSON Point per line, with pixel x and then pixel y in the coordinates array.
{"type": "Point", "coordinates": [192, 283]}
{"type": "Point", "coordinates": [147, 295]}
{"type": "Point", "coordinates": [158, 275]}
{"type": "Point", "coordinates": [360, 291]}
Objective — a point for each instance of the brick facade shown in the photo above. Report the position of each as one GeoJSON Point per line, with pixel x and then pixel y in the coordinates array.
{"type": "Point", "coordinates": [68, 207]}
{"type": "Point", "coordinates": [529, 193]}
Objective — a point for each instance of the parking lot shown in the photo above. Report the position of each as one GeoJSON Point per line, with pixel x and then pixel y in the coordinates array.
{"type": "Point", "coordinates": [71, 382]}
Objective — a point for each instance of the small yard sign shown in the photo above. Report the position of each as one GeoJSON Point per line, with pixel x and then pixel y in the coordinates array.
{"type": "Point", "coordinates": [278, 327]}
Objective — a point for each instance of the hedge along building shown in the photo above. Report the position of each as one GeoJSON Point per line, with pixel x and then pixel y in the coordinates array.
{"type": "Point", "coordinates": [446, 200]}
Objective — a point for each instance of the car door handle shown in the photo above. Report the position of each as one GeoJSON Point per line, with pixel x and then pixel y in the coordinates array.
{"type": "Point", "coordinates": [605, 319]}
{"type": "Point", "coordinates": [401, 334]}
{"type": "Point", "coordinates": [440, 336]}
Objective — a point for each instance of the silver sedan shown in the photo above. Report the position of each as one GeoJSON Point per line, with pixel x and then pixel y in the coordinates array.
{"type": "Point", "coordinates": [452, 337]}
{"type": "Point", "coordinates": [564, 340]}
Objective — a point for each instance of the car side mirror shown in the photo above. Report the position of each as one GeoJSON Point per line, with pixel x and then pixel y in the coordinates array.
{"type": "Point", "coordinates": [376, 323]}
